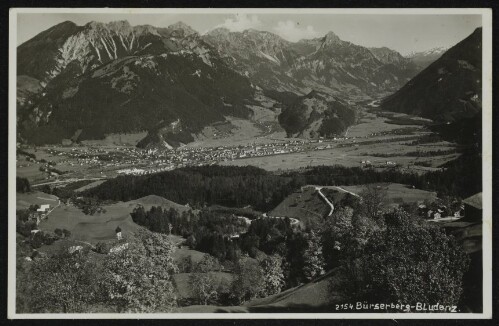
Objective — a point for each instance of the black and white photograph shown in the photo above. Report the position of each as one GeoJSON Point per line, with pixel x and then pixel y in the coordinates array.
{"type": "Point", "coordinates": [250, 163]}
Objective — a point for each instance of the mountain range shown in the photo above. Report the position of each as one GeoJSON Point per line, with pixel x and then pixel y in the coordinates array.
{"type": "Point", "coordinates": [424, 58]}
{"type": "Point", "coordinates": [101, 78]}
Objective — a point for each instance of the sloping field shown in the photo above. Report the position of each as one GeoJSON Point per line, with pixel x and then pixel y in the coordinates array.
{"type": "Point", "coordinates": [153, 200]}
{"type": "Point", "coordinates": [317, 296]}
{"type": "Point", "coordinates": [308, 204]}
{"type": "Point", "coordinates": [30, 171]}
{"type": "Point", "coordinates": [98, 227]}
{"type": "Point", "coordinates": [397, 193]}
{"type": "Point", "coordinates": [25, 200]}
{"type": "Point", "coordinates": [302, 205]}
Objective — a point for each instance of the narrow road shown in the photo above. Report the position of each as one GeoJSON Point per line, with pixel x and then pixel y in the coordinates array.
{"type": "Point", "coordinates": [292, 220]}
{"type": "Point", "coordinates": [42, 198]}
{"type": "Point", "coordinates": [66, 181]}
{"type": "Point", "coordinates": [348, 192]}
{"type": "Point", "coordinates": [58, 204]}
{"type": "Point", "coordinates": [326, 200]}
{"type": "Point", "coordinates": [87, 243]}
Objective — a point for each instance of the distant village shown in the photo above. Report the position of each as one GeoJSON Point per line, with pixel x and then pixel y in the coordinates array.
{"type": "Point", "coordinates": [110, 161]}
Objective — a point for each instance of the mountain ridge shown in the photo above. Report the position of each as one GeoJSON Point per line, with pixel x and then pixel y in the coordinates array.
{"type": "Point", "coordinates": [80, 68]}
{"type": "Point", "coordinates": [447, 90]}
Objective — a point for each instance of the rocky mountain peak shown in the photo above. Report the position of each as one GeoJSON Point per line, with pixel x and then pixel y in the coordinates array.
{"type": "Point", "coordinates": [387, 55]}
{"type": "Point", "coordinates": [120, 25]}
{"type": "Point", "coordinates": [93, 24]}
{"type": "Point", "coordinates": [66, 23]}
{"type": "Point", "coordinates": [218, 31]}
{"type": "Point", "coordinates": [331, 38]}
{"type": "Point", "coordinates": [186, 29]}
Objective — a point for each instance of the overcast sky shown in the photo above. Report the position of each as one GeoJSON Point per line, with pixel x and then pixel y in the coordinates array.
{"type": "Point", "coordinates": [404, 33]}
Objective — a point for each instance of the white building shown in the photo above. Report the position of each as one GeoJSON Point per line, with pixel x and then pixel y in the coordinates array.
{"type": "Point", "coordinates": [44, 208]}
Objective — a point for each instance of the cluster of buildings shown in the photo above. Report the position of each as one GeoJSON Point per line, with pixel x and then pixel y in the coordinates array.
{"type": "Point", "coordinates": [136, 161]}
{"type": "Point", "coordinates": [436, 211]}
{"type": "Point", "coordinates": [39, 215]}
{"type": "Point", "coordinates": [386, 164]}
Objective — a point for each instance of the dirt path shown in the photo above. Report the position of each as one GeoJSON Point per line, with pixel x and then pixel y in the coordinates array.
{"type": "Point", "coordinates": [326, 200]}
{"type": "Point", "coordinates": [348, 192]}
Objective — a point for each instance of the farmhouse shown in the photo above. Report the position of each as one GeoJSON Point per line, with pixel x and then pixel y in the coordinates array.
{"type": "Point", "coordinates": [44, 208]}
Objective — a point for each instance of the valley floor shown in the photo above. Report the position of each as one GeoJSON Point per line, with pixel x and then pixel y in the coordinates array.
{"type": "Point", "coordinates": [375, 141]}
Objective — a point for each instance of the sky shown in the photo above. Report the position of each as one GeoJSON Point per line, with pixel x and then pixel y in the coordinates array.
{"type": "Point", "coordinates": [404, 33]}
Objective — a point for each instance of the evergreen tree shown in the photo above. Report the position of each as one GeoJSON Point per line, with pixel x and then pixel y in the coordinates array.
{"type": "Point", "coordinates": [22, 185]}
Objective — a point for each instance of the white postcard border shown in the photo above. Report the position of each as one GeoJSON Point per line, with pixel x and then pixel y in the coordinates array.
{"type": "Point", "coordinates": [486, 14]}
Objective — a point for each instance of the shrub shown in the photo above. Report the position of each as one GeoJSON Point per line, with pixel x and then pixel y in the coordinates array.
{"type": "Point", "coordinates": [102, 248]}
{"type": "Point", "coordinates": [64, 283]}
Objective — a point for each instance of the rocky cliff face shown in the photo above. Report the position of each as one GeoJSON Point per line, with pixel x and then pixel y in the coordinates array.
{"type": "Point", "coordinates": [262, 56]}
{"type": "Point", "coordinates": [86, 47]}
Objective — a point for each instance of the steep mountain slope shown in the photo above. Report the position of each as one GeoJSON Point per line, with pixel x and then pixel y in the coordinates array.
{"type": "Point", "coordinates": [447, 90]}
{"type": "Point", "coordinates": [317, 115]}
{"type": "Point", "coordinates": [424, 58]}
{"type": "Point", "coordinates": [137, 93]}
{"type": "Point", "coordinates": [39, 56]}
{"type": "Point", "coordinates": [27, 87]}
{"type": "Point", "coordinates": [346, 68]}
{"type": "Point", "coordinates": [106, 78]}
